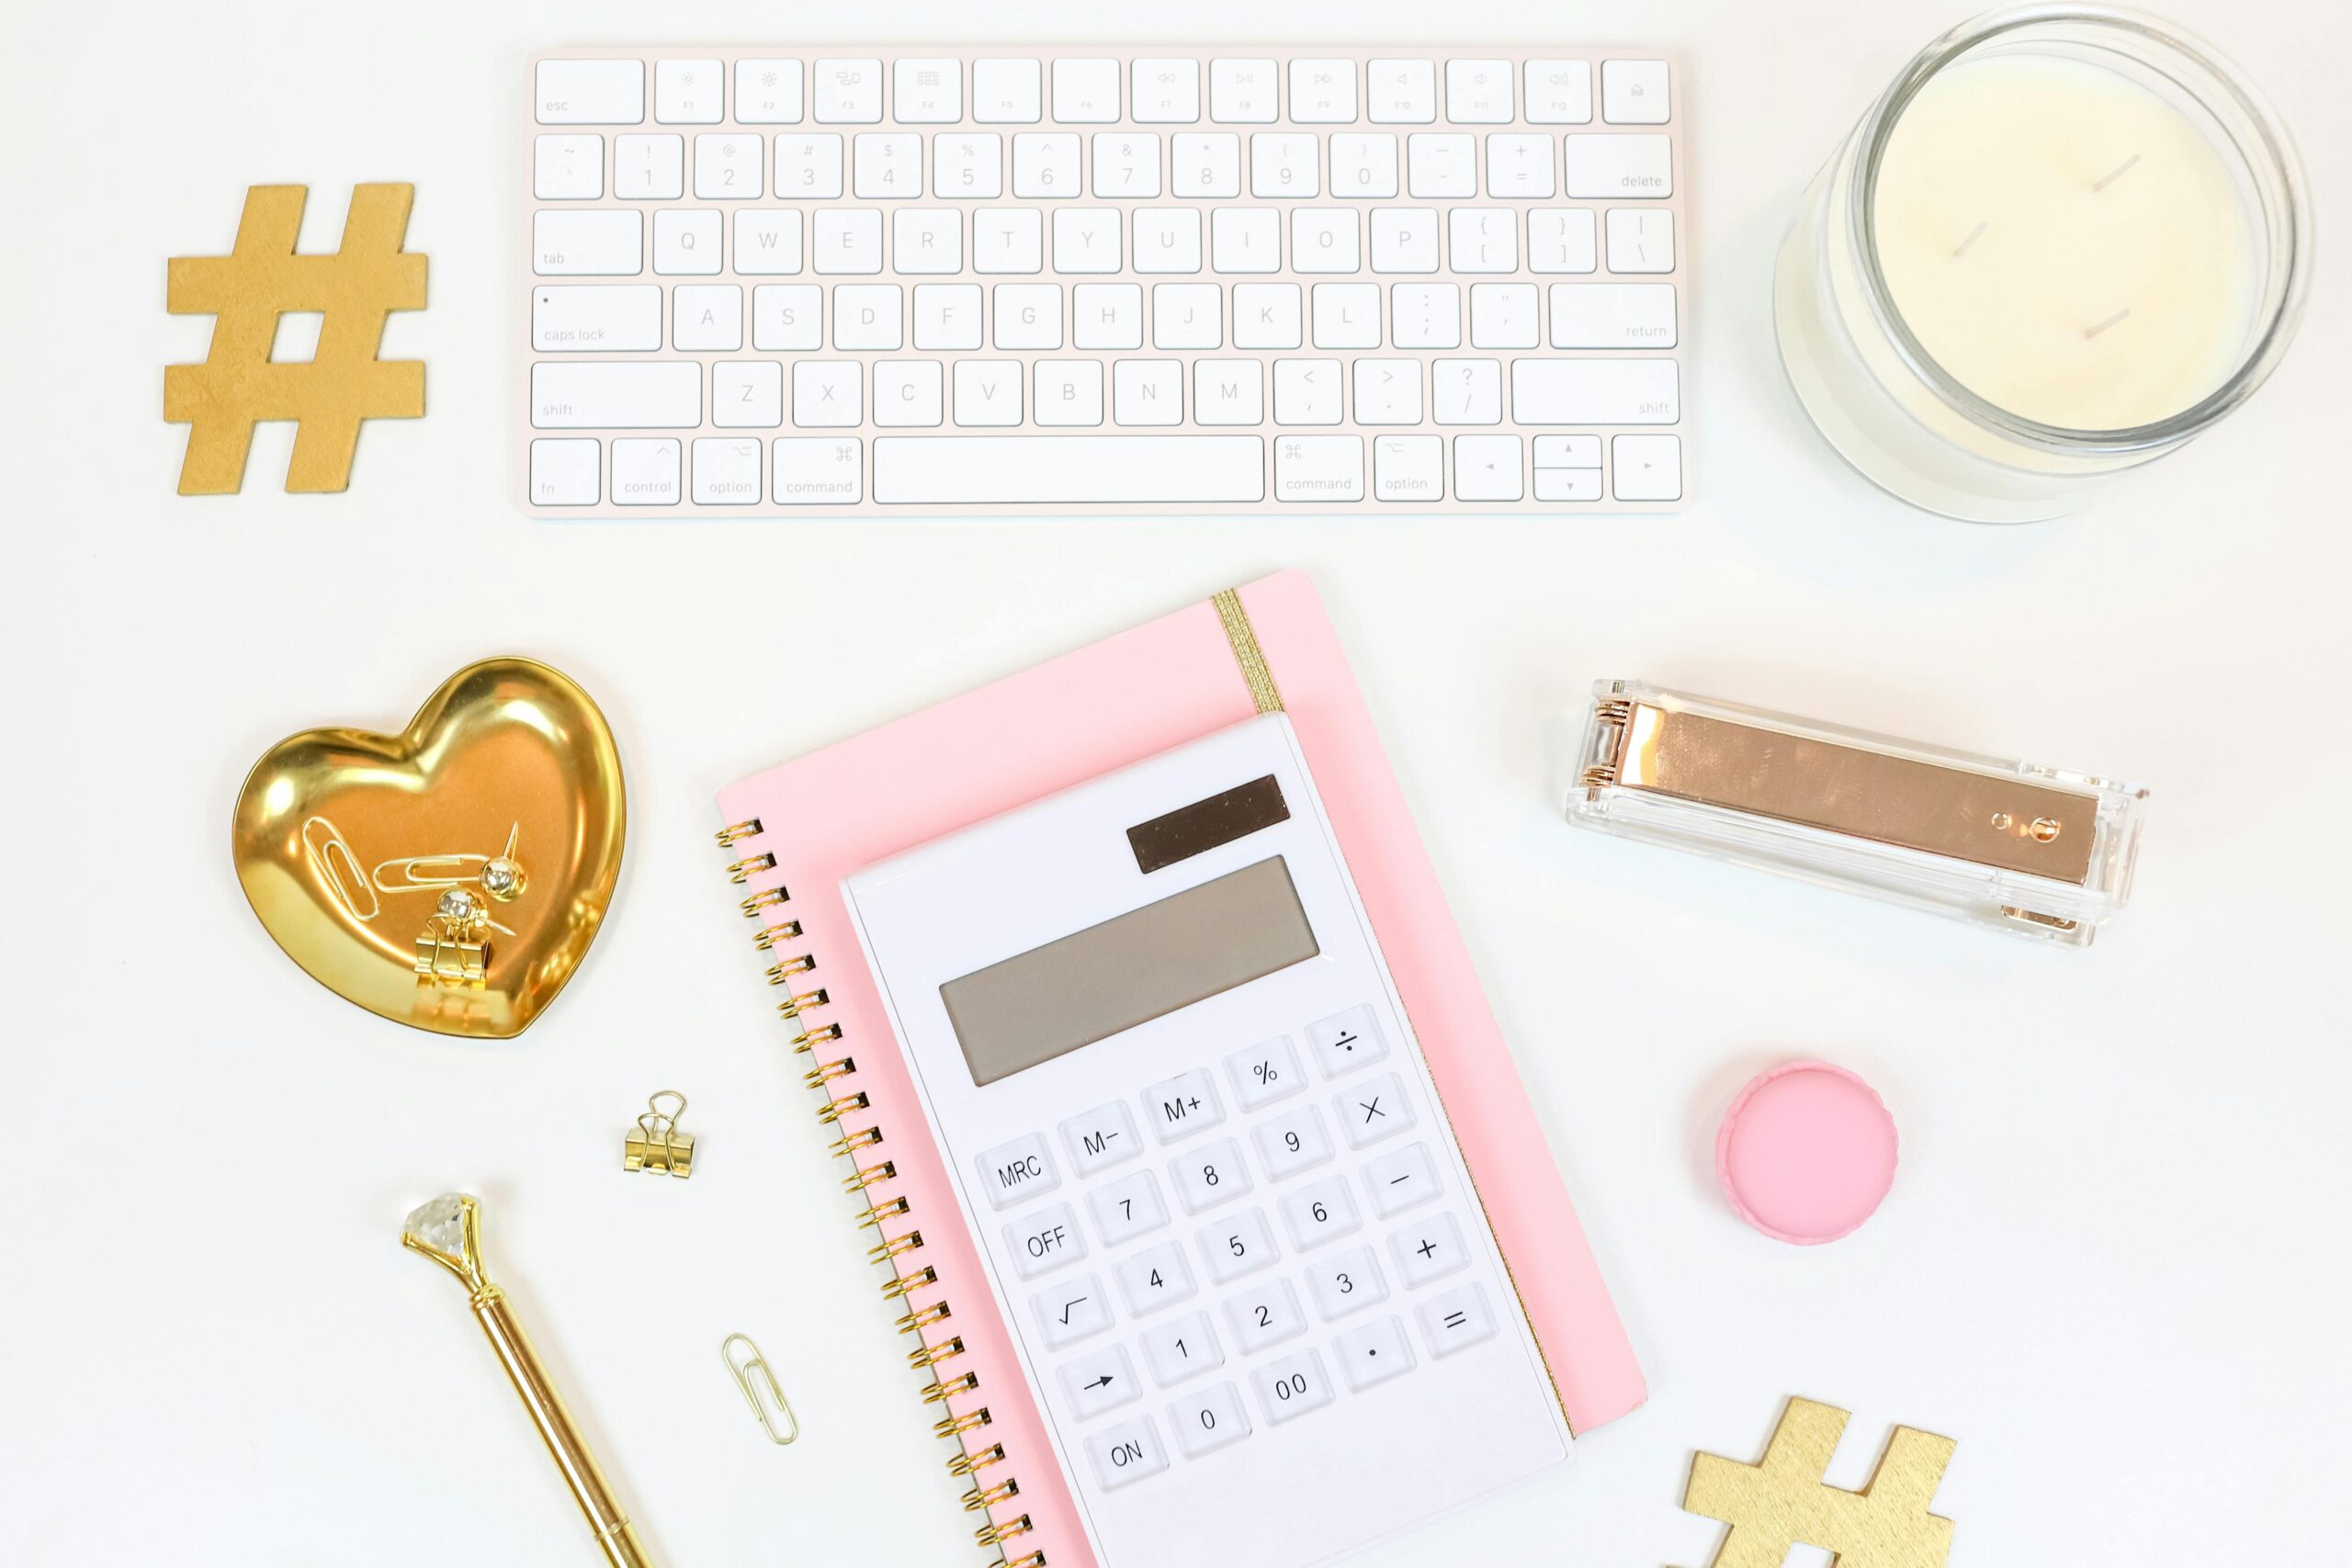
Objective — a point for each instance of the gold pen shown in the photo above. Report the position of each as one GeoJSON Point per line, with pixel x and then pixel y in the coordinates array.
{"type": "Point", "coordinates": [448, 1231]}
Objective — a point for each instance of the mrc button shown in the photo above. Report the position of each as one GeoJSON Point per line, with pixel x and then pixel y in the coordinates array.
{"type": "Point", "coordinates": [1021, 1168]}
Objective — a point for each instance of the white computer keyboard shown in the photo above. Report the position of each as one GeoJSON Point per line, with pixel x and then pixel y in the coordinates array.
{"type": "Point", "coordinates": [858, 280]}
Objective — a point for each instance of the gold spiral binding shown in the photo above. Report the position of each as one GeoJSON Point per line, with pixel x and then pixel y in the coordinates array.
{"type": "Point", "coordinates": [916, 1322]}
{"type": "Point", "coordinates": [884, 1250]}
{"type": "Point", "coordinates": [810, 1039]}
{"type": "Point", "coordinates": [834, 1110]}
{"type": "Point", "coordinates": [968, 1463]}
{"type": "Point", "coordinates": [779, 973]}
{"type": "Point", "coordinates": [956, 1426]}
{"type": "Point", "coordinates": [767, 900]}
{"type": "Point", "coordinates": [741, 871]}
{"type": "Point", "coordinates": [1034, 1560]}
{"type": "Point", "coordinates": [998, 1534]}
{"type": "Point", "coordinates": [765, 942]}
{"type": "Point", "coordinates": [793, 1006]}
{"type": "Point", "coordinates": [865, 1137]}
{"type": "Point", "coordinates": [934, 1393]}
{"type": "Point", "coordinates": [734, 832]}
{"type": "Point", "coordinates": [871, 1218]}
{"type": "Point", "coordinates": [906, 1285]}
{"type": "Point", "coordinates": [932, 1355]}
{"type": "Point", "coordinates": [978, 1499]}
{"type": "Point", "coordinates": [824, 1073]}
{"type": "Point", "coordinates": [858, 1181]}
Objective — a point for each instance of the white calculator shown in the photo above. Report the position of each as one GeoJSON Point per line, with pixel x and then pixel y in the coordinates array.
{"type": "Point", "coordinates": [1219, 1203]}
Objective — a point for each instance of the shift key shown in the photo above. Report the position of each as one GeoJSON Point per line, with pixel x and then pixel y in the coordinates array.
{"type": "Point", "coordinates": [576, 395]}
{"type": "Point", "coordinates": [1596, 391]}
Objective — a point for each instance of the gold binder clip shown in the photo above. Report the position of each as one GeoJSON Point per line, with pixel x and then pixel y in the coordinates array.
{"type": "Point", "coordinates": [454, 947]}
{"type": "Point", "coordinates": [742, 1372]}
{"type": "Point", "coordinates": [657, 1144]}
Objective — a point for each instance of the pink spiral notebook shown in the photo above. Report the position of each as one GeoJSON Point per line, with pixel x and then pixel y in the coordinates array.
{"type": "Point", "coordinates": [797, 830]}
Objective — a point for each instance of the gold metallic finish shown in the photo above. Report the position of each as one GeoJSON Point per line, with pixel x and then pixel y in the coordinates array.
{"type": "Point", "coordinates": [529, 1376]}
{"type": "Point", "coordinates": [865, 1176]}
{"type": "Point", "coordinates": [905, 1285]}
{"type": "Point", "coordinates": [825, 1072]}
{"type": "Point", "coordinates": [779, 973]}
{"type": "Point", "coordinates": [933, 1392]}
{"type": "Point", "coordinates": [810, 1039]}
{"type": "Point", "coordinates": [956, 1426]}
{"type": "Point", "coordinates": [932, 1355]}
{"type": "Point", "coordinates": [1034, 1560]}
{"type": "Point", "coordinates": [767, 1408]}
{"type": "Point", "coordinates": [1863, 794]}
{"type": "Point", "coordinates": [916, 1322]}
{"type": "Point", "coordinates": [734, 832]}
{"type": "Point", "coordinates": [1255, 674]}
{"type": "Point", "coordinates": [998, 1534]}
{"type": "Point", "coordinates": [509, 762]}
{"type": "Point", "coordinates": [793, 1006]}
{"type": "Point", "coordinates": [870, 1219]}
{"type": "Point", "coordinates": [741, 871]}
{"type": "Point", "coordinates": [766, 900]}
{"type": "Point", "coordinates": [893, 1247]}
{"type": "Point", "coordinates": [834, 1110]}
{"type": "Point", "coordinates": [766, 940]}
{"type": "Point", "coordinates": [863, 1138]}
{"type": "Point", "coordinates": [657, 1144]}
{"type": "Point", "coordinates": [973, 1463]}
{"type": "Point", "coordinates": [978, 1501]}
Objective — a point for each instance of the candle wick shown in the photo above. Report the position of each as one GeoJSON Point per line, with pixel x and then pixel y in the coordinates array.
{"type": "Point", "coordinates": [2120, 170]}
{"type": "Point", "coordinates": [1981, 225]}
{"type": "Point", "coordinates": [2093, 331]}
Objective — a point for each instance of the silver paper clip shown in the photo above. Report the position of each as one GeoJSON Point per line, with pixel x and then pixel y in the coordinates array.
{"type": "Point", "coordinates": [742, 1372]}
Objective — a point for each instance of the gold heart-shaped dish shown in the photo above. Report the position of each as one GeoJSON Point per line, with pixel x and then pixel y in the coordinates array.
{"type": "Point", "coordinates": [450, 876]}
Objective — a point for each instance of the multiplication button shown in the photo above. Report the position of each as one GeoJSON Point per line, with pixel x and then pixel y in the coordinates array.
{"type": "Point", "coordinates": [1021, 1168]}
{"type": "Point", "coordinates": [1373, 1353]}
{"type": "Point", "coordinates": [1126, 1453]}
{"type": "Point", "coordinates": [1347, 1040]}
{"type": "Point", "coordinates": [1182, 1105]}
{"type": "Point", "coordinates": [1373, 1110]}
{"type": "Point", "coordinates": [1456, 1320]}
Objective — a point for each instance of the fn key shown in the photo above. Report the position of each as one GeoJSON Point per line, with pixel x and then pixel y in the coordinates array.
{"type": "Point", "coordinates": [1456, 1320]}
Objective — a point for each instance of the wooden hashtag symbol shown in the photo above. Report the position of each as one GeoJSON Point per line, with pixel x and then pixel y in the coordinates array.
{"type": "Point", "coordinates": [238, 383]}
{"type": "Point", "coordinates": [1774, 1505]}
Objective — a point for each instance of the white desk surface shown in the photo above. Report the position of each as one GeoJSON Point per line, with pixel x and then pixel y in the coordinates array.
{"type": "Point", "coordinates": [2114, 1264]}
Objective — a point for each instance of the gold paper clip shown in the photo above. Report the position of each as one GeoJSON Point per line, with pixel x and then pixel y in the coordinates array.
{"type": "Point", "coordinates": [742, 1372]}
{"type": "Point", "coordinates": [657, 1144]}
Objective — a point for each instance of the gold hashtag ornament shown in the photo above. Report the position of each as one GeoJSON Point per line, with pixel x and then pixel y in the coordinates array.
{"type": "Point", "coordinates": [352, 288]}
{"type": "Point", "coordinates": [1784, 1501]}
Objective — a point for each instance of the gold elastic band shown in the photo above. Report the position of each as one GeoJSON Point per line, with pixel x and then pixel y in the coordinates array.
{"type": "Point", "coordinates": [1246, 651]}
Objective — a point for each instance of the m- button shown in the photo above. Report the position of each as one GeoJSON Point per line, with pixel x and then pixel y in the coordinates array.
{"type": "Point", "coordinates": [1180, 1106]}
{"type": "Point", "coordinates": [1018, 1170]}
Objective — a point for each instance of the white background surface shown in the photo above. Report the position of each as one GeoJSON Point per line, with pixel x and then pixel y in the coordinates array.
{"type": "Point", "coordinates": [2113, 1266]}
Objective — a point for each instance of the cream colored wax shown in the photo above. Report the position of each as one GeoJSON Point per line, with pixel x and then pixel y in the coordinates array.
{"type": "Point", "coordinates": [2068, 245]}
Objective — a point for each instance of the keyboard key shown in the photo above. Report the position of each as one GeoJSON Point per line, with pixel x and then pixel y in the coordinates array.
{"type": "Point", "coordinates": [1321, 1212]}
{"type": "Point", "coordinates": [1375, 1110]}
{"type": "Point", "coordinates": [1346, 1041]}
{"type": "Point", "coordinates": [1520, 167]}
{"type": "Point", "coordinates": [1126, 164]}
{"type": "Point", "coordinates": [769, 92]}
{"type": "Point", "coordinates": [1560, 239]}
{"type": "Point", "coordinates": [1388, 391]}
{"type": "Point", "coordinates": [1425, 315]}
{"type": "Point", "coordinates": [847, 241]}
{"type": "Point", "coordinates": [1567, 452]}
{"type": "Point", "coordinates": [706, 317]}
{"type": "Point", "coordinates": [589, 92]}
{"type": "Point", "coordinates": [809, 167]}
{"type": "Point", "coordinates": [1028, 315]}
{"type": "Point", "coordinates": [646, 472]}
{"type": "Point", "coordinates": [1228, 391]}
{"type": "Point", "coordinates": [1009, 240]}
{"type": "Point", "coordinates": [1043, 1240]}
{"type": "Point", "coordinates": [1165, 92]}
{"type": "Point", "coordinates": [1373, 1353]}
{"type": "Point", "coordinates": [1069, 393]}
{"type": "Point", "coordinates": [686, 240]}
{"type": "Point", "coordinates": [1323, 92]}
{"type": "Point", "coordinates": [1100, 1138]}
{"type": "Point", "coordinates": [573, 395]}
{"type": "Point", "coordinates": [1205, 164]}
{"type": "Point", "coordinates": [818, 471]}
{"type": "Point", "coordinates": [1292, 1387]}
{"type": "Point", "coordinates": [1187, 315]}
{"type": "Point", "coordinates": [587, 245]}
{"type": "Point", "coordinates": [1017, 1171]}
{"type": "Point", "coordinates": [787, 317]}
{"type": "Point", "coordinates": [1567, 484]}
{"type": "Point", "coordinates": [1595, 391]}
{"type": "Point", "coordinates": [648, 168]}
{"type": "Point", "coordinates": [1607, 167]}
{"type": "Point", "coordinates": [1502, 315]}
{"type": "Point", "coordinates": [1487, 467]}
{"type": "Point", "coordinates": [1086, 239]}
{"type": "Point", "coordinates": [1482, 239]}
{"type": "Point", "coordinates": [1407, 468]}
{"type": "Point", "coordinates": [729, 168]}
{"type": "Point", "coordinates": [1467, 392]}
{"type": "Point", "coordinates": [1401, 92]}
{"type": "Point", "coordinates": [1008, 92]}
{"type": "Point", "coordinates": [1086, 91]}
{"type": "Point", "coordinates": [1456, 1320]}
{"type": "Point", "coordinates": [1319, 470]}
{"type": "Point", "coordinates": [1347, 315]}
{"type": "Point", "coordinates": [1640, 241]}
{"type": "Point", "coordinates": [1363, 166]}
{"type": "Point", "coordinates": [567, 471]}
{"type": "Point", "coordinates": [1266, 1316]}
{"type": "Point", "coordinates": [1155, 1278]}
{"type": "Point", "coordinates": [1612, 315]}
{"type": "Point", "coordinates": [1126, 1453]}
{"type": "Point", "coordinates": [1127, 1208]}
{"type": "Point", "coordinates": [1400, 1179]}
{"type": "Point", "coordinates": [1649, 468]}
{"type": "Point", "coordinates": [1266, 315]}
{"type": "Point", "coordinates": [747, 394]}
{"type": "Point", "coordinates": [1323, 238]}
{"type": "Point", "coordinates": [1208, 1420]}
{"type": "Point", "coordinates": [1147, 391]}
{"type": "Point", "coordinates": [988, 392]}
{"type": "Point", "coordinates": [927, 92]}
{"type": "Point", "coordinates": [1241, 91]}
{"type": "Point", "coordinates": [1441, 164]}
{"type": "Point", "coordinates": [927, 240]}
{"type": "Point", "coordinates": [1240, 1245]}
{"type": "Point", "coordinates": [1559, 91]}
{"type": "Point", "coordinates": [848, 92]}
{"type": "Point", "coordinates": [828, 393]}
{"type": "Point", "coordinates": [1307, 391]}
{"type": "Point", "coordinates": [767, 242]}
{"type": "Point", "coordinates": [867, 316]}
{"type": "Point", "coordinates": [968, 167]}
{"type": "Point", "coordinates": [590, 318]}
{"type": "Point", "coordinates": [1633, 92]}
{"type": "Point", "coordinates": [1404, 239]}
{"type": "Point", "coordinates": [1168, 239]}
{"type": "Point", "coordinates": [1098, 1380]}
{"type": "Point", "coordinates": [1265, 1072]}
{"type": "Point", "coordinates": [689, 92]}
{"type": "Point", "coordinates": [1245, 239]}
{"type": "Point", "coordinates": [1047, 470]}
{"type": "Point", "coordinates": [1346, 1282]}
{"type": "Point", "coordinates": [885, 166]}
{"type": "Point", "coordinates": [1427, 1251]}
{"type": "Point", "coordinates": [1284, 165]}
{"type": "Point", "coordinates": [1068, 1312]}
{"type": "Point", "coordinates": [1210, 1175]}
{"type": "Point", "coordinates": [1292, 1143]}
{"type": "Point", "coordinates": [1478, 92]}
{"type": "Point", "coordinates": [727, 472]}
{"type": "Point", "coordinates": [1183, 1348]}
{"type": "Point", "coordinates": [567, 168]}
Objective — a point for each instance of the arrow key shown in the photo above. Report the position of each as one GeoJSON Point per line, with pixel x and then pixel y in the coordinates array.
{"type": "Point", "coordinates": [1098, 1381]}
{"type": "Point", "coordinates": [1649, 468]}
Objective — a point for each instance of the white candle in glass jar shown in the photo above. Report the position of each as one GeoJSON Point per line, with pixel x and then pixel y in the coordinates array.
{"type": "Point", "coordinates": [2064, 243]}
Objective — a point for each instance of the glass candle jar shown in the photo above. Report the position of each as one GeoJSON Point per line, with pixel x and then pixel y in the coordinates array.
{"type": "Point", "coordinates": [2063, 242]}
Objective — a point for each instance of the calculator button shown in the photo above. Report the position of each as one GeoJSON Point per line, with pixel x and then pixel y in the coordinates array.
{"type": "Point", "coordinates": [1292, 1143]}
{"type": "Point", "coordinates": [1292, 1386]}
{"type": "Point", "coordinates": [1456, 1320]}
{"type": "Point", "coordinates": [1347, 1040]}
{"type": "Point", "coordinates": [1400, 1179]}
{"type": "Point", "coordinates": [1126, 1453]}
{"type": "Point", "coordinates": [1373, 1353]}
{"type": "Point", "coordinates": [1347, 1282]}
{"type": "Point", "coordinates": [1210, 1175]}
{"type": "Point", "coordinates": [1325, 1211]}
{"type": "Point", "coordinates": [1429, 1251]}
{"type": "Point", "coordinates": [1182, 1105]}
{"type": "Point", "coordinates": [1127, 1208]}
{"type": "Point", "coordinates": [1096, 1380]}
{"type": "Point", "coordinates": [1241, 1245]}
{"type": "Point", "coordinates": [1068, 1312]}
{"type": "Point", "coordinates": [1182, 1348]}
{"type": "Point", "coordinates": [1021, 1168]}
{"type": "Point", "coordinates": [1265, 1072]}
{"type": "Point", "coordinates": [1267, 1315]}
{"type": "Point", "coordinates": [1046, 1239]}
{"type": "Point", "coordinates": [1101, 1138]}
{"type": "Point", "coordinates": [1371, 1111]}
{"type": "Point", "coordinates": [1209, 1420]}
{"type": "Point", "coordinates": [1156, 1278]}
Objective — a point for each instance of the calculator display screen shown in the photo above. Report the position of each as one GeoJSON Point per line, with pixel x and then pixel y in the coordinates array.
{"type": "Point", "coordinates": [1135, 967]}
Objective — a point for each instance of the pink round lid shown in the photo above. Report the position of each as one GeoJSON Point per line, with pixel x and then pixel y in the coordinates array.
{"type": "Point", "coordinates": [1806, 1153]}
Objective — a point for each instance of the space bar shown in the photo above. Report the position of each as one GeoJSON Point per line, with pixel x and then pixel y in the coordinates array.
{"type": "Point", "coordinates": [1048, 470]}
